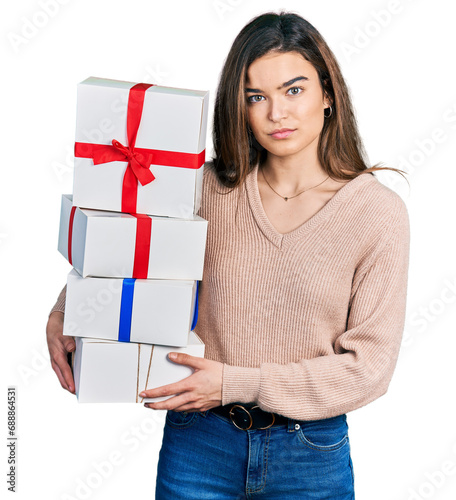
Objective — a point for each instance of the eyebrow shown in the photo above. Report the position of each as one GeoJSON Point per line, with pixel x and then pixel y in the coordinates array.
{"type": "Point", "coordinates": [285, 84]}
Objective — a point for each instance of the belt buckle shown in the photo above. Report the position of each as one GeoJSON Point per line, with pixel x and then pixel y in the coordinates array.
{"type": "Point", "coordinates": [231, 413]}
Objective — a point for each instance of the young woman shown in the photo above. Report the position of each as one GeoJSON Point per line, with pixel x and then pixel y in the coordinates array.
{"type": "Point", "coordinates": [302, 303]}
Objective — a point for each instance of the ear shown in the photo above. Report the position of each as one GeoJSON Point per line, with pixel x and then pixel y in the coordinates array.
{"type": "Point", "coordinates": [327, 101]}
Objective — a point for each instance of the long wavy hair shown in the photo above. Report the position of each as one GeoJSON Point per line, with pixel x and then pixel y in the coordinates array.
{"type": "Point", "coordinates": [340, 149]}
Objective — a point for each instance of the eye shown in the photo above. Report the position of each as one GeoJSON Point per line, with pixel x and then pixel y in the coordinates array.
{"type": "Point", "coordinates": [255, 98]}
{"type": "Point", "coordinates": [295, 90]}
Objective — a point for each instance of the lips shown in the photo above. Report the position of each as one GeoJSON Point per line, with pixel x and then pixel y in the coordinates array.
{"type": "Point", "coordinates": [282, 133]}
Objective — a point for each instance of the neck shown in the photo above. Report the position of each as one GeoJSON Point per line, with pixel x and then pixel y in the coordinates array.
{"type": "Point", "coordinates": [290, 175]}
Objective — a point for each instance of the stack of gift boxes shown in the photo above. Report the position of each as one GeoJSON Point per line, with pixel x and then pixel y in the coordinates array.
{"type": "Point", "coordinates": [132, 235]}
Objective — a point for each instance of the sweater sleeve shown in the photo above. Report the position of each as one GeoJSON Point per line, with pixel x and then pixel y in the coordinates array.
{"type": "Point", "coordinates": [365, 355]}
{"type": "Point", "coordinates": [60, 304]}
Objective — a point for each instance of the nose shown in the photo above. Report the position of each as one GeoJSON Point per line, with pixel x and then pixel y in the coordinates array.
{"type": "Point", "coordinates": [278, 110]}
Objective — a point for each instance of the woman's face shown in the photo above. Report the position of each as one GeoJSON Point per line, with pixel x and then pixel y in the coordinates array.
{"type": "Point", "coordinates": [285, 103]}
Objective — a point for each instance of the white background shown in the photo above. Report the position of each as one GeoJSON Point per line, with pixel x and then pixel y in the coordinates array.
{"type": "Point", "coordinates": [400, 69]}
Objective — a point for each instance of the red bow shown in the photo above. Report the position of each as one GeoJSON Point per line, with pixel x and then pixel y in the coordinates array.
{"type": "Point", "coordinates": [138, 162]}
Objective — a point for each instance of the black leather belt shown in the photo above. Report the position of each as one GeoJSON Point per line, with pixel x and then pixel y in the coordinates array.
{"type": "Point", "coordinates": [249, 417]}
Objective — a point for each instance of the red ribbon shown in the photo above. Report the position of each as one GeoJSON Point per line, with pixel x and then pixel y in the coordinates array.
{"type": "Point", "coordinates": [70, 235]}
{"type": "Point", "coordinates": [139, 159]}
{"type": "Point", "coordinates": [142, 246]}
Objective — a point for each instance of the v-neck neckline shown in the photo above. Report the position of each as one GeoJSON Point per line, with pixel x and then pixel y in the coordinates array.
{"type": "Point", "coordinates": [284, 240]}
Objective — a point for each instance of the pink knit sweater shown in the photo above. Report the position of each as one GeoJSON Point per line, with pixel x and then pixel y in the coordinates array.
{"type": "Point", "coordinates": [309, 323]}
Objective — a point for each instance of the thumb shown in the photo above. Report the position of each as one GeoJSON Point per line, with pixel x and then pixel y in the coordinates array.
{"type": "Point", "coordinates": [69, 344]}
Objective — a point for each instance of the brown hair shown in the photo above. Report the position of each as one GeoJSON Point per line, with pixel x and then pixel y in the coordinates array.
{"type": "Point", "coordinates": [340, 148]}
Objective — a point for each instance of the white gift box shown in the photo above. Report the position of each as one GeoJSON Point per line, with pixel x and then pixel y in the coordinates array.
{"type": "Point", "coordinates": [172, 120]}
{"type": "Point", "coordinates": [129, 310]}
{"type": "Point", "coordinates": [102, 243]}
{"type": "Point", "coordinates": [116, 372]}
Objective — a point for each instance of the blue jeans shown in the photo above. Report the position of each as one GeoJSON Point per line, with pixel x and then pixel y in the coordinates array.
{"type": "Point", "coordinates": [204, 456]}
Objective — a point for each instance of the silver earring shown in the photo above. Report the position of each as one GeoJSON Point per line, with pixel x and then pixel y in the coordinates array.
{"type": "Point", "coordinates": [330, 112]}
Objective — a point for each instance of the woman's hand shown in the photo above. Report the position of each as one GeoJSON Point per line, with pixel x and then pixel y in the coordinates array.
{"type": "Point", "coordinates": [59, 346]}
{"type": "Point", "coordinates": [200, 391]}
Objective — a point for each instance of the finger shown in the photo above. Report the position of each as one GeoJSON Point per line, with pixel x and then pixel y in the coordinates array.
{"type": "Point", "coordinates": [170, 403]}
{"type": "Point", "coordinates": [61, 363]}
{"type": "Point", "coordinates": [68, 376]}
{"type": "Point", "coordinates": [189, 408]}
{"type": "Point", "coordinates": [168, 390]}
{"type": "Point", "coordinates": [199, 406]}
{"type": "Point", "coordinates": [185, 359]}
{"type": "Point", "coordinates": [59, 375]}
{"type": "Point", "coordinates": [61, 378]}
